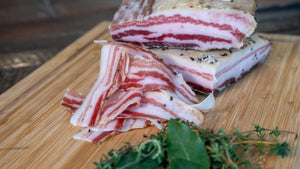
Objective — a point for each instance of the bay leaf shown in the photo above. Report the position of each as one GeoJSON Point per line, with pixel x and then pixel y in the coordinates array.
{"type": "Point", "coordinates": [185, 146]}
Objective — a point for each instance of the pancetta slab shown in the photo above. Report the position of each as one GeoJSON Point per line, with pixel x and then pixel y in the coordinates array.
{"type": "Point", "coordinates": [202, 25]}
{"type": "Point", "coordinates": [212, 71]}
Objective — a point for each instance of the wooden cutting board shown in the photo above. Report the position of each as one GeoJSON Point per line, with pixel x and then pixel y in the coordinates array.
{"type": "Point", "coordinates": [35, 131]}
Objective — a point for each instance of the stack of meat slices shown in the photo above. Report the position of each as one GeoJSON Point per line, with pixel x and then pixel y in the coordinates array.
{"type": "Point", "coordinates": [134, 89]}
{"type": "Point", "coordinates": [207, 43]}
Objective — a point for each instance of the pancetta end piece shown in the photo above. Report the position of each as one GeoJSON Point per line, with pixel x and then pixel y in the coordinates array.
{"type": "Point", "coordinates": [214, 70]}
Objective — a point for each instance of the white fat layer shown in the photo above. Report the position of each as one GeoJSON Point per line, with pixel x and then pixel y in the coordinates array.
{"type": "Point", "coordinates": [79, 136]}
{"type": "Point", "coordinates": [176, 95]}
{"type": "Point", "coordinates": [85, 135]}
{"type": "Point", "coordinates": [117, 107]}
{"type": "Point", "coordinates": [178, 108]}
{"type": "Point", "coordinates": [170, 93]}
{"type": "Point", "coordinates": [245, 23]}
{"type": "Point", "coordinates": [243, 66]}
{"type": "Point", "coordinates": [157, 124]}
{"type": "Point", "coordinates": [133, 69]}
{"type": "Point", "coordinates": [181, 64]}
{"type": "Point", "coordinates": [179, 28]}
{"type": "Point", "coordinates": [103, 62]}
{"type": "Point", "coordinates": [247, 6]}
{"type": "Point", "coordinates": [207, 104]}
{"type": "Point", "coordinates": [152, 80]}
{"type": "Point", "coordinates": [151, 110]}
{"type": "Point", "coordinates": [109, 126]}
{"type": "Point", "coordinates": [183, 110]}
{"type": "Point", "coordinates": [133, 124]}
{"type": "Point", "coordinates": [71, 97]}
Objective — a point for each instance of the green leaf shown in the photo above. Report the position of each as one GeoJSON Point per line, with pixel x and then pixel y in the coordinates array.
{"type": "Point", "coordinates": [280, 149]}
{"type": "Point", "coordinates": [130, 162]}
{"type": "Point", "coordinates": [221, 132]}
{"type": "Point", "coordinates": [259, 130]}
{"type": "Point", "coordinates": [177, 163]}
{"type": "Point", "coordinates": [275, 132]}
{"type": "Point", "coordinates": [185, 145]}
{"type": "Point", "coordinates": [239, 135]}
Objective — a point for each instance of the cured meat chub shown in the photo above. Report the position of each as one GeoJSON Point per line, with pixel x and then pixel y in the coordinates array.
{"type": "Point", "coordinates": [195, 24]}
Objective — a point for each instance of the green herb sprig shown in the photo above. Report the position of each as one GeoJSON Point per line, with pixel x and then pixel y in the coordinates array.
{"type": "Point", "coordinates": [182, 145]}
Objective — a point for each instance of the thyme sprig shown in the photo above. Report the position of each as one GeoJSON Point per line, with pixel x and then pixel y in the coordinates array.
{"type": "Point", "coordinates": [182, 145]}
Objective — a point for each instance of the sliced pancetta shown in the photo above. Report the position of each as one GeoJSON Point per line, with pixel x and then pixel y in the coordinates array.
{"type": "Point", "coordinates": [114, 66]}
{"type": "Point", "coordinates": [147, 72]}
{"type": "Point", "coordinates": [161, 106]}
{"type": "Point", "coordinates": [99, 135]}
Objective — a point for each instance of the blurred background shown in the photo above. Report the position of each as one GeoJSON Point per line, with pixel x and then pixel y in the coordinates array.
{"type": "Point", "coordinates": [34, 31]}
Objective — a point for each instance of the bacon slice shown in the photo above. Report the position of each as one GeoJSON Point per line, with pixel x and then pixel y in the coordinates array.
{"type": "Point", "coordinates": [147, 75]}
{"type": "Point", "coordinates": [114, 65]}
{"type": "Point", "coordinates": [115, 124]}
{"type": "Point", "coordinates": [161, 106]}
{"type": "Point", "coordinates": [200, 25]}
{"type": "Point", "coordinates": [98, 135]}
{"type": "Point", "coordinates": [117, 103]}
{"type": "Point", "coordinates": [72, 100]}
{"type": "Point", "coordinates": [112, 107]}
{"type": "Point", "coordinates": [93, 136]}
{"type": "Point", "coordinates": [134, 124]}
{"type": "Point", "coordinates": [155, 106]}
{"type": "Point", "coordinates": [212, 71]}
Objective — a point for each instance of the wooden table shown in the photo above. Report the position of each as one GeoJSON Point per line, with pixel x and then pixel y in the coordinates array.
{"type": "Point", "coordinates": [35, 131]}
{"type": "Point", "coordinates": [33, 31]}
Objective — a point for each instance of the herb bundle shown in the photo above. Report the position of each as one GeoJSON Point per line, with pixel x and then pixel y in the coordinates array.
{"type": "Point", "coordinates": [182, 145]}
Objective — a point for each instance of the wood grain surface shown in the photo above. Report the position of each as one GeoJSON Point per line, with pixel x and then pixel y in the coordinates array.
{"type": "Point", "coordinates": [35, 131]}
